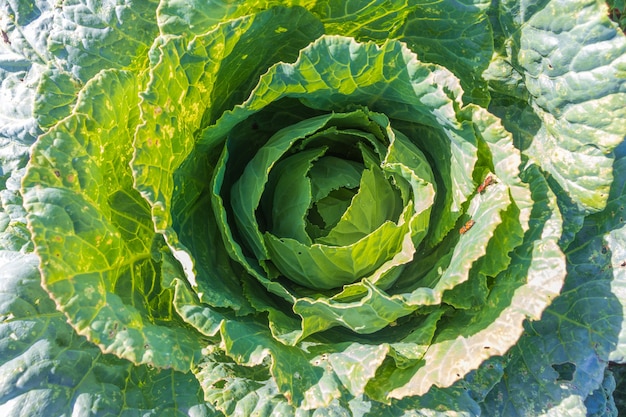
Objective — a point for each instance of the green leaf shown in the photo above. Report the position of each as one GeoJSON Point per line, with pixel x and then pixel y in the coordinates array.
{"type": "Point", "coordinates": [601, 401]}
{"type": "Point", "coordinates": [23, 24]}
{"type": "Point", "coordinates": [18, 127]}
{"type": "Point", "coordinates": [56, 96]}
{"type": "Point", "coordinates": [309, 379]}
{"type": "Point", "coordinates": [384, 18]}
{"type": "Point", "coordinates": [451, 33]}
{"type": "Point", "coordinates": [87, 38]}
{"type": "Point", "coordinates": [453, 156]}
{"type": "Point", "coordinates": [45, 367]}
{"type": "Point", "coordinates": [14, 235]}
{"type": "Point", "coordinates": [376, 202]}
{"type": "Point", "coordinates": [94, 235]}
{"type": "Point", "coordinates": [536, 273]}
{"type": "Point", "coordinates": [292, 195]}
{"type": "Point", "coordinates": [620, 385]}
{"type": "Point", "coordinates": [610, 225]}
{"type": "Point", "coordinates": [74, 41]}
{"type": "Point", "coordinates": [570, 66]}
{"type": "Point", "coordinates": [216, 278]}
{"type": "Point", "coordinates": [331, 173]}
{"type": "Point", "coordinates": [325, 267]}
{"type": "Point", "coordinates": [362, 307]}
{"type": "Point", "coordinates": [457, 35]}
{"type": "Point", "coordinates": [197, 17]}
{"type": "Point", "coordinates": [240, 390]}
{"type": "Point", "coordinates": [561, 359]}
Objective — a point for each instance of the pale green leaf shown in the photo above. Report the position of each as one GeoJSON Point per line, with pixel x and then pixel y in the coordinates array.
{"type": "Point", "coordinates": [571, 59]}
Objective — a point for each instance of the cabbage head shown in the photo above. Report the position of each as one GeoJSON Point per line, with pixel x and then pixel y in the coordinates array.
{"type": "Point", "coordinates": [312, 208]}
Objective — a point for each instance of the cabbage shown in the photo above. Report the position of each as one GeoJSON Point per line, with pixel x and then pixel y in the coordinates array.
{"type": "Point", "coordinates": [312, 208]}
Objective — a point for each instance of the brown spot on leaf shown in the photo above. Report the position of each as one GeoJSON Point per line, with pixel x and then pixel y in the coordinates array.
{"type": "Point", "coordinates": [468, 225]}
{"type": "Point", "coordinates": [486, 183]}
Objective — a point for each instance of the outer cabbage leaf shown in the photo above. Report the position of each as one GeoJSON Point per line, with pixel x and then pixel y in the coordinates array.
{"type": "Point", "coordinates": [93, 232]}
{"type": "Point", "coordinates": [73, 41]}
{"type": "Point", "coordinates": [18, 127]}
{"type": "Point", "coordinates": [339, 17]}
{"type": "Point", "coordinates": [568, 59]}
{"type": "Point", "coordinates": [25, 28]}
{"type": "Point", "coordinates": [561, 359]}
{"type": "Point", "coordinates": [14, 234]}
{"type": "Point", "coordinates": [451, 33]}
{"type": "Point", "coordinates": [86, 39]}
{"type": "Point", "coordinates": [457, 35]}
{"type": "Point", "coordinates": [47, 369]}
